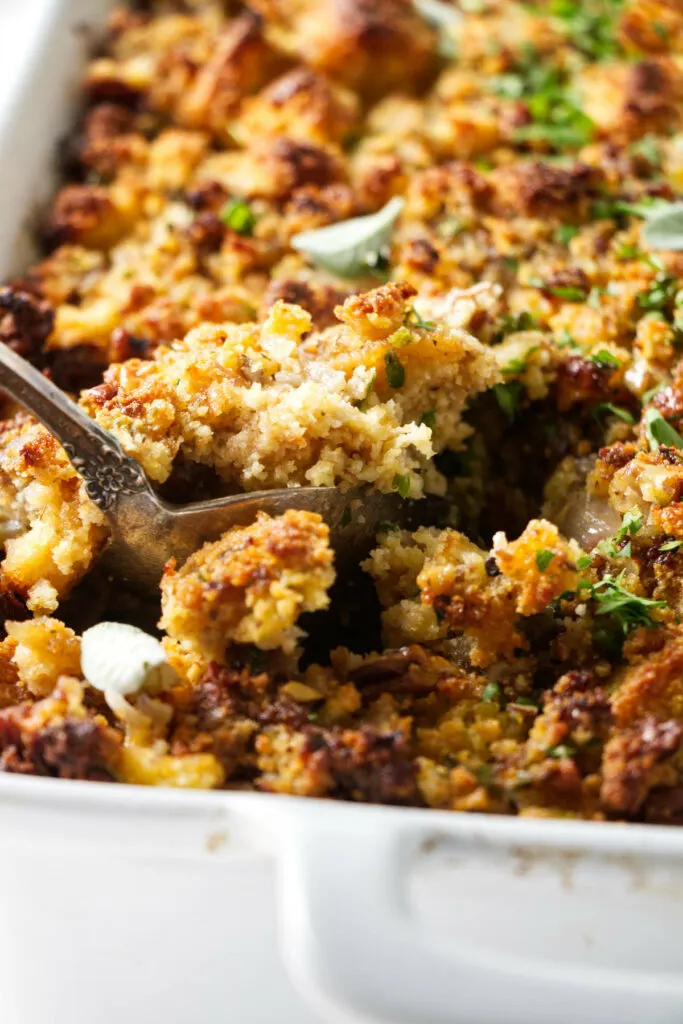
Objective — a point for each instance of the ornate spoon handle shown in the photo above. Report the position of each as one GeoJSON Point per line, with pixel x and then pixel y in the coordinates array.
{"type": "Point", "coordinates": [95, 454]}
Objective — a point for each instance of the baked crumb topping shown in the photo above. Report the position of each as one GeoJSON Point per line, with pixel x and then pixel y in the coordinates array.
{"type": "Point", "coordinates": [508, 338]}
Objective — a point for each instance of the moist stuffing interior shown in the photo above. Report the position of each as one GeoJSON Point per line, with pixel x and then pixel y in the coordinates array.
{"type": "Point", "coordinates": [512, 344]}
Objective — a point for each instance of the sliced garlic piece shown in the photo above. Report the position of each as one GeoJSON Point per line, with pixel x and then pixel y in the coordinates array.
{"type": "Point", "coordinates": [121, 659]}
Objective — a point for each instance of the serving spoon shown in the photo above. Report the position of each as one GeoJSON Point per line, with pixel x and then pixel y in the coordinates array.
{"type": "Point", "coordinates": [146, 530]}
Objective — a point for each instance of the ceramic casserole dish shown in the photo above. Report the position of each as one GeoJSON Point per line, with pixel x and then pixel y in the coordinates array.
{"type": "Point", "coordinates": [136, 905]}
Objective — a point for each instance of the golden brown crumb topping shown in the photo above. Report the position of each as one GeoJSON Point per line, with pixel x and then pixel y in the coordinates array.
{"type": "Point", "coordinates": [510, 342]}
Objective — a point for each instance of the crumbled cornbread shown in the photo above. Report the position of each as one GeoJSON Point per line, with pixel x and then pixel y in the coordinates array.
{"type": "Point", "coordinates": [510, 343]}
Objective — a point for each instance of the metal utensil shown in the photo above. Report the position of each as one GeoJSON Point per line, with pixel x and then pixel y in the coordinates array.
{"type": "Point", "coordinates": [146, 530]}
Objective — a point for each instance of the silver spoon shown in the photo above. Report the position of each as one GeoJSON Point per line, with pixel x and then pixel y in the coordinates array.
{"type": "Point", "coordinates": [146, 530]}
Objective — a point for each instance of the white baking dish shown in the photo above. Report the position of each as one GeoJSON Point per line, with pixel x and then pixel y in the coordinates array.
{"type": "Point", "coordinates": [120, 904]}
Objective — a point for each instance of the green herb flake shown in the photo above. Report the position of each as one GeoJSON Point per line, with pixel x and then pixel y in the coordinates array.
{"type": "Point", "coordinates": [543, 558]}
{"type": "Point", "coordinates": [605, 358]}
{"type": "Point", "coordinates": [561, 751]}
{"type": "Point", "coordinates": [384, 526]}
{"type": "Point", "coordinates": [628, 609]}
{"type": "Point", "coordinates": [565, 233]}
{"type": "Point", "coordinates": [513, 323]}
{"type": "Point", "coordinates": [660, 294]}
{"type": "Point", "coordinates": [508, 397]}
{"type": "Point", "coordinates": [584, 562]}
{"type": "Point", "coordinates": [607, 409]}
{"type": "Point", "coordinates": [671, 545]}
{"type": "Point", "coordinates": [395, 370]}
{"type": "Point", "coordinates": [401, 483]}
{"type": "Point", "coordinates": [429, 419]}
{"type": "Point", "coordinates": [658, 431]}
{"type": "Point", "coordinates": [363, 403]}
{"type": "Point", "coordinates": [491, 692]}
{"type": "Point", "coordinates": [564, 292]}
{"type": "Point", "coordinates": [413, 319]}
{"type": "Point", "coordinates": [237, 215]}
{"type": "Point", "coordinates": [484, 774]}
{"type": "Point", "coordinates": [449, 228]}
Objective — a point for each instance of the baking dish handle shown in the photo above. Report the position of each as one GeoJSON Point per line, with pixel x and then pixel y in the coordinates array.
{"type": "Point", "coordinates": [355, 953]}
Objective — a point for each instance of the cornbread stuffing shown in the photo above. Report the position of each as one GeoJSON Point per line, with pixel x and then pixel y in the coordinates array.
{"type": "Point", "coordinates": [506, 335]}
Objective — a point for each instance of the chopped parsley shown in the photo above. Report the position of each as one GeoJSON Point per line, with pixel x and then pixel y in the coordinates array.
{"type": "Point", "coordinates": [557, 119]}
{"type": "Point", "coordinates": [237, 215]}
{"type": "Point", "coordinates": [619, 546]}
{"type": "Point", "coordinates": [413, 319]}
{"type": "Point", "coordinates": [607, 409]}
{"type": "Point", "coordinates": [401, 483]}
{"type": "Point", "coordinates": [561, 750]}
{"type": "Point", "coordinates": [508, 397]}
{"type": "Point", "coordinates": [588, 27]}
{"type": "Point", "coordinates": [543, 558]}
{"type": "Point", "coordinates": [584, 562]}
{"type": "Point", "coordinates": [558, 291]}
{"type": "Point", "coordinates": [604, 358]}
{"type": "Point", "coordinates": [512, 323]}
{"type": "Point", "coordinates": [565, 233]}
{"type": "Point", "coordinates": [519, 365]}
{"type": "Point", "coordinates": [428, 418]}
{"type": "Point", "coordinates": [395, 370]}
{"type": "Point", "coordinates": [491, 692]}
{"type": "Point", "coordinates": [363, 403]}
{"type": "Point", "coordinates": [565, 340]}
{"type": "Point", "coordinates": [671, 545]}
{"type": "Point", "coordinates": [628, 610]}
{"type": "Point", "coordinates": [660, 293]}
{"type": "Point", "coordinates": [659, 431]}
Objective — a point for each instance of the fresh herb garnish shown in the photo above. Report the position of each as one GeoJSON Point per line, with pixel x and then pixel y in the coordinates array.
{"type": "Point", "coordinates": [519, 365]}
{"type": "Point", "coordinates": [237, 215]}
{"type": "Point", "coordinates": [513, 323]}
{"type": "Point", "coordinates": [566, 292]}
{"type": "Point", "coordinates": [401, 483]}
{"type": "Point", "coordinates": [429, 419]}
{"type": "Point", "coordinates": [352, 247]}
{"type": "Point", "coordinates": [491, 692]}
{"type": "Point", "coordinates": [413, 319]}
{"type": "Point", "coordinates": [543, 558]}
{"type": "Point", "coordinates": [565, 233]}
{"type": "Point", "coordinates": [604, 358]}
{"type": "Point", "coordinates": [561, 751]}
{"type": "Point", "coordinates": [659, 431]}
{"type": "Point", "coordinates": [628, 610]}
{"type": "Point", "coordinates": [362, 404]}
{"type": "Point", "coordinates": [619, 546]}
{"type": "Point", "coordinates": [395, 370]}
{"type": "Point", "coordinates": [508, 397]}
{"type": "Point", "coordinates": [607, 409]}
{"type": "Point", "coordinates": [671, 545]}
{"type": "Point", "coordinates": [660, 293]}
{"type": "Point", "coordinates": [584, 562]}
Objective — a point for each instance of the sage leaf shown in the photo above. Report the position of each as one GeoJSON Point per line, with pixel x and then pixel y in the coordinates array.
{"type": "Point", "coordinates": [351, 247]}
{"type": "Point", "coordinates": [659, 431]}
{"type": "Point", "coordinates": [664, 228]}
